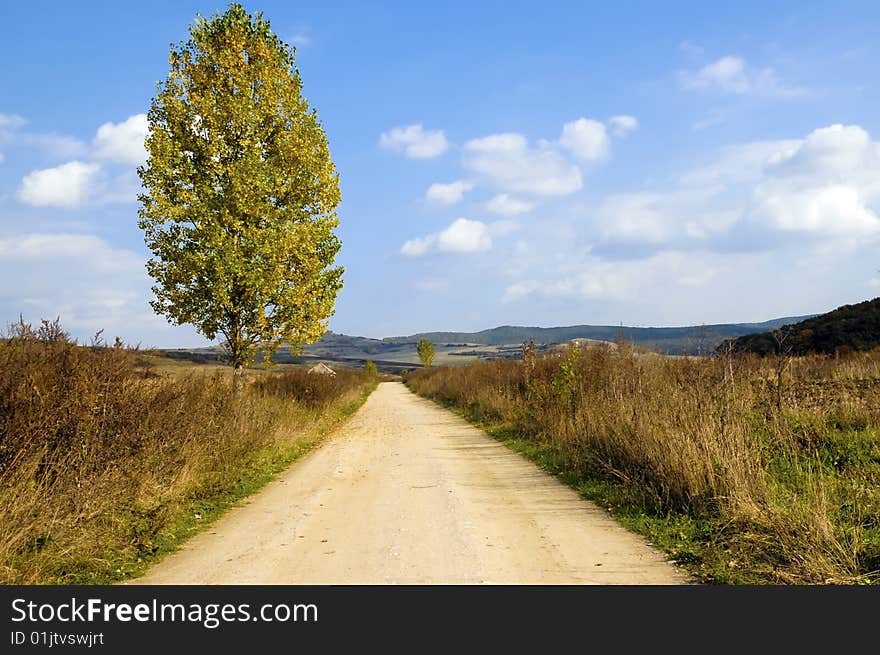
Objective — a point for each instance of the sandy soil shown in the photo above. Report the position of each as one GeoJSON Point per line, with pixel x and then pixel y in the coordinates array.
{"type": "Point", "coordinates": [407, 492]}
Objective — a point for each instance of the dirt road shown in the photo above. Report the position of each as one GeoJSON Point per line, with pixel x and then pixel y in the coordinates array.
{"type": "Point", "coordinates": [407, 492]}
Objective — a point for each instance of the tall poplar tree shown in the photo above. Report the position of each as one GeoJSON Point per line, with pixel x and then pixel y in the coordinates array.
{"type": "Point", "coordinates": [240, 193]}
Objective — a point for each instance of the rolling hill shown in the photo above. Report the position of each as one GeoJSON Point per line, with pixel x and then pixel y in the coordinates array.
{"type": "Point", "coordinates": [670, 340]}
{"type": "Point", "coordinates": [850, 327]}
{"type": "Point", "coordinates": [394, 354]}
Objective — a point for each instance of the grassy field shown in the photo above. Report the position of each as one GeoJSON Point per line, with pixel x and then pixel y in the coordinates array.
{"type": "Point", "coordinates": [109, 459]}
{"type": "Point", "coordinates": [744, 470]}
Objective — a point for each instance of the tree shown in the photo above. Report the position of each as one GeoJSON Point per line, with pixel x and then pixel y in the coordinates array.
{"type": "Point", "coordinates": [370, 369]}
{"type": "Point", "coordinates": [426, 352]}
{"type": "Point", "coordinates": [240, 193]}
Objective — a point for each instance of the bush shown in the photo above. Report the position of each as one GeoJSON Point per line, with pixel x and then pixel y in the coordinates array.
{"type": "Point", "coordinates": [98, 453]}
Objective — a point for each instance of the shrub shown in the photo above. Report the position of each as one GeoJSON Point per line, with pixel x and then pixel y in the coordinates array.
{"type": "Point", "coordinates": [98, 453]}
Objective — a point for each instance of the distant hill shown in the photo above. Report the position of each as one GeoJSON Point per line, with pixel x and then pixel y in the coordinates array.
{"type": "Point", "coordinates": [851, 327]}
{"type": "Point", "coordinates": [394, 354]}
{"type": "Point", "coordinates": [692, 339]}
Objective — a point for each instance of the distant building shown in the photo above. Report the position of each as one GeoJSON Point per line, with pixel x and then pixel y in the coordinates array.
{"type": "Point", "coordinates": [322, 369]}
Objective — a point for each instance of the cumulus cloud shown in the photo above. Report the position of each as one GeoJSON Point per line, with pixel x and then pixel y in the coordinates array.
{"type": "Point", "coordinates": [792, 209]}
{"type": "Point", "coordinates": [586, 138]}
{"type": "Point", "coordinates": [123, 142]}
{"type": "Point", "coordinates": [418, 246]}
{"type": "Point", "coordinates": [464, 235]}
{"type": "Point", "coordinates": [823, 187]}
{"type": "Point", "coordinates": [415, 142]}
{"type": "Point", "coordinates": [836, 210]}
{"type": "Point", "coordinates": [505, 205]}
{"type": "Point", "coordinates": [461, 236]}
{"type": "Point", "coordinates": [837, 152]}
{"type": "Point", "coordinates": [827, 185]}
{"type": "Point", "coordinates": [733, 75]}
{"type": "Point", "coordinates": [636, 224]}
{"type": "Point", "coordinates": [622, 124]}
{"type": "Point", "coordinates": [84, 279]}
{"type": "Point", "coordinates": [447, 194]}
{"type": "Point", "coordinates": [510, 163]}
{"type": "Point", "coordinates": [68, 186]}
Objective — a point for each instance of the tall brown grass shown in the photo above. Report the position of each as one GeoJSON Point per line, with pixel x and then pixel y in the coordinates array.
{"type": "Point", "coordinates": [99, 456]}
{"type": "Point", "coordinates": [778, 461]}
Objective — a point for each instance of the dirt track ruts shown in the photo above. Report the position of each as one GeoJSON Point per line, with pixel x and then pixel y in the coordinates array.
{"type": "Point", "coordinates": [407, 492]}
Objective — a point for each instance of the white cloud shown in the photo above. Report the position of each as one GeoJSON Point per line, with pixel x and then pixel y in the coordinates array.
{"type": "Point", "coordinates": [99, 283]}
{"type": "Point", "coordinates": [733, 75]}
{"type": "Point", "coordinates": [415, 142]}
{"type": "Point", "coordinates": [511, 164]}
{"type": "Point", "coordinates": [827, 185]}
{"type": "Point", "coordinates": [11, 121]}
{"type": "Point", "coordinates": [617, 281]}
{"type": "Point", "coordinates": [447, 194]}
{"type": "Point", "coordinates": [586, 138]}
{"type": "Point", "coordinates": [824, 188]}
{"type": "Point", "coordinates": [89, 282]}
{"type": "Point", "coordinates": [837, 152]}
{"type": "Point", "coordinates": [461, 236]}
{"type": "Point", "coordinates": [727, 74]}
{"type": "Point", "coordinates": [418, 246]}
{"type": "Point", "coordinates": [622, 124]}
{"type": "Point", "coordinates": [831, 211]}
{"type": "Point", "coordinates": [69, 185]}
{"type": "Point", "coordinates": [505, 205]}
{"type": "Point", "coordinates": [464, 235]}
{"type": "Point", "coordinates": [739, 163]}
{"type": "Point", "coordinates": [123, 142]}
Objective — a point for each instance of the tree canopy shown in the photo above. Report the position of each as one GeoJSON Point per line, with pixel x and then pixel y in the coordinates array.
{"type": "Point", "coordinates": [240, 193]}
{"type": "Point", "coordinates": [426, 352]}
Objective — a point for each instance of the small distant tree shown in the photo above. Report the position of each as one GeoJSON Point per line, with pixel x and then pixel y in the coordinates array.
{"type": "Point", "coordinates": [370, 369]}
{"type": "Point", "coordinates": [782, 359]}
{"type": "Point", "coordinates": [240, 193]}
{"type": "Point", "coordinates": [426, 352]}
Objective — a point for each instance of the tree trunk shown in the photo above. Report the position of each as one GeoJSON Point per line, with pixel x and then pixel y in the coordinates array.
{"type": "Point", "coordinates": [237, 378]}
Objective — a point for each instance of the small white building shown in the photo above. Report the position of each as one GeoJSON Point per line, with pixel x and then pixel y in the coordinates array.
{"type": "Point", "coordinates": [322, 369]}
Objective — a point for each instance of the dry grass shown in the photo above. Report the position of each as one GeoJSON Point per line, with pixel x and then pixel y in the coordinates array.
{"type": "Point", "coordinates": [771, 466]}
{"type": "Point", "coordinates": [101, 459]}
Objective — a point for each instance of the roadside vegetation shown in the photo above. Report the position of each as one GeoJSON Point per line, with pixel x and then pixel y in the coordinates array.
{"type": "Point", "coordinates": [106, 465]}
{"type": "Point", "coordinates": [743, 469]}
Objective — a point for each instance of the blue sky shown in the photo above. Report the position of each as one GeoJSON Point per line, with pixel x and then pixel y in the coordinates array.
{"type": "Point", "coordinates": [501, 163]}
